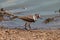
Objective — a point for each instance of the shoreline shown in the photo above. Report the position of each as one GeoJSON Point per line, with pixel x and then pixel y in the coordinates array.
{"type": "Point", "coordinates": [19, 34]}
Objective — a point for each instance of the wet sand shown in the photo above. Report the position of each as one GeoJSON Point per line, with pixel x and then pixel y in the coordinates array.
{"type": "Point", "coordinates": [19, 34]}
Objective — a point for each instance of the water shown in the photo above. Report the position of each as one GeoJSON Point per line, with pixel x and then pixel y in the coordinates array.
{"type": "Point", "coordinates": [37, 25]}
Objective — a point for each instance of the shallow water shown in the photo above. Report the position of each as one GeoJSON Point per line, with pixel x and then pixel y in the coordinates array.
{"type": "Point", "coordinates": [37, 25]}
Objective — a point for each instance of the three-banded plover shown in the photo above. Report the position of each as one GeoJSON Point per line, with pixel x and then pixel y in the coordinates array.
{"type": "Point", "coordinates": [28, 19]}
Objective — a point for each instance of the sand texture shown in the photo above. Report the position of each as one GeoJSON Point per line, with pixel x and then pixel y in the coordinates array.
{"type": "Point", "coordinates": [18, 34]}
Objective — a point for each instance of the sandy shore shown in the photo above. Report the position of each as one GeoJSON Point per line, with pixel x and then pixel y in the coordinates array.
{"type": "Point", "coordinates": [18, 34]}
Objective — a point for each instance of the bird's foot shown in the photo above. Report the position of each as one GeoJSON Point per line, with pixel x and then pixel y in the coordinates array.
{"type": "Point", "coordinates": [27, 28]}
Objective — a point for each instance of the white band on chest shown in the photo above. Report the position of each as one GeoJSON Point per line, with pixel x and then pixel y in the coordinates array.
{"type": "Point", "coordinates": [34, 17]}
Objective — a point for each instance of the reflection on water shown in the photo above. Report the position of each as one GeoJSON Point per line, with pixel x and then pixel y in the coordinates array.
{"type": "Point", "coordinates": [38, 24]}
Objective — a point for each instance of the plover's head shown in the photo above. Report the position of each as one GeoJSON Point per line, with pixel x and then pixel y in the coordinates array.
{"type": "Point", "coordinates": [37, 16]}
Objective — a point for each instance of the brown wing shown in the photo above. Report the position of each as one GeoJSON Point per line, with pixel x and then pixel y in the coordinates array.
{"type": "Point", "coordinates": [25, 18]}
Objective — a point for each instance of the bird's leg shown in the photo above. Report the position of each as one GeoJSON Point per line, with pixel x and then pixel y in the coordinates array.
{"type": "Point", "coordinates": [29, 26]}
{"type": "Point", "coordinates": [25, 25]}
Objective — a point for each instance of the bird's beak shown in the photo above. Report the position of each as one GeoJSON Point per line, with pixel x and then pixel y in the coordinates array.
{"type": "Point", "coordinates": [39, 16]}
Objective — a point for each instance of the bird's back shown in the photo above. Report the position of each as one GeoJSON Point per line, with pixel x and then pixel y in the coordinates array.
{"type": "Point", "coordinates": [26, 18]}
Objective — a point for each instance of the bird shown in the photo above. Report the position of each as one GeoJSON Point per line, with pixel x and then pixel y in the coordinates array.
{"type": "Point", "coordinates": [28, 19]}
